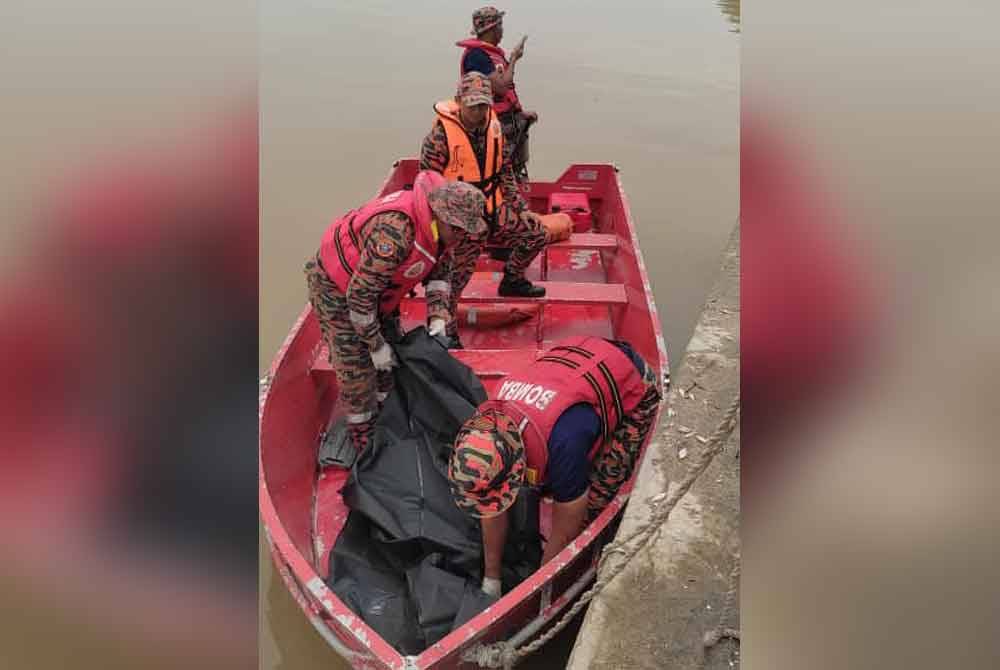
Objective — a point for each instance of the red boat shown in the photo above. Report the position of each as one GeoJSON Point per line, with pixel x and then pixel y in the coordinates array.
{"type": "Point", "coordinates": [596, 284]}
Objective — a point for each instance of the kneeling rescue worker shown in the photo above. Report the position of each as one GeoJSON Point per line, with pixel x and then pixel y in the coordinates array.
{"type": "Point", "coordinates": [369, 259]}
{"type": "Point", "coordinates": [572, 422]}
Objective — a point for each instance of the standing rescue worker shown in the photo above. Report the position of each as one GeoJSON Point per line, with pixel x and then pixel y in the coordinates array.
{"type": "Point", "coordinates": [369, 259]}
{"type": "Point", "coordinates": [466, 144]}
{"type": "Point", "coordinates": [483, 54]}
{"type": "Point", "coordinates": [572, 422]}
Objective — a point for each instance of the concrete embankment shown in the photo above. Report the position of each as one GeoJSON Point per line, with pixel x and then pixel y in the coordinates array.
{"type": "Point", "coordinates": [656, 613]}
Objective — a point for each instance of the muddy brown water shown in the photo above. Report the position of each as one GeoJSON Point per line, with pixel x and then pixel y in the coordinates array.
{"type": "Point", "coordinates": [347, 87]}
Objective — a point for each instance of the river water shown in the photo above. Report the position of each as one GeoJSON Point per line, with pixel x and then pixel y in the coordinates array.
{"type": "Point", "coordinates": [346, 88]}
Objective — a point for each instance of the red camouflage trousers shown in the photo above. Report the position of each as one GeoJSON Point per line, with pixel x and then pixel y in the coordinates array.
{"type": "Point", "coordinates": [524, 236]}
{"type": "Point", "coordinates": [361, 386]}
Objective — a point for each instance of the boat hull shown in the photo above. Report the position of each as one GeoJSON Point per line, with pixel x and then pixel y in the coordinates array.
{"type": "Point", "coordinates": [597, 285]}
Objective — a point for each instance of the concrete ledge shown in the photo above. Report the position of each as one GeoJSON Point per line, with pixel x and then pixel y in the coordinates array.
{"type": "Point", "coordinates": [656, 613]}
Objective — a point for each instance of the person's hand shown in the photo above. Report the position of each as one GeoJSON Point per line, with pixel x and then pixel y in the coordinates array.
{"type": "Point", "coordinates": [436, 326]}
{"type": "Point", "coordinates": [530, 117]}
{"type": "Point", "coordinates": [517, 53]}
{"type": "Point", "coordinates": [384, 358]}
{"type": "Point", "coordinates": [491, 587]}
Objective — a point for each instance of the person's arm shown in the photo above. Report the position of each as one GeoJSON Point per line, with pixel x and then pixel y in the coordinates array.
{"type": "Point", "coordinates": [502, 82]}
{"type": "Point", "coordinates": [567, 521]}
{"type": "Point", "coordinates": [568, 474]}
{"type": "Point", "coordinates": [494, 539]}
{"type": "Point", "coordinates": [434, 153]}
{"type": "Point", "coordinates": [457, 261]}
{"type": "Point", "coordinates": [439, 287]}
{"type": "Point", "coordinates": [386, 247]}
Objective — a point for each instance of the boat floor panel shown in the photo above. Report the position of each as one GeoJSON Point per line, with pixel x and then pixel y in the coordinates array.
{"type": "Point", "coordinates": [495, 363]}
{"type": "Point", "coordinates": [505, 345]}
{"type": "Point", "coordinates": [576, 265]}
{"type": "Point", "coordinates": [588, 241]}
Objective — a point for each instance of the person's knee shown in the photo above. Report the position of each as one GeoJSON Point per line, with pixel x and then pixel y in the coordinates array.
{"type": "Point", "coordinates": [534, 235]}
{"type": "Point", "coordinates": [538, 239]}
{"type": "Point", "coordinates": [359, 393]}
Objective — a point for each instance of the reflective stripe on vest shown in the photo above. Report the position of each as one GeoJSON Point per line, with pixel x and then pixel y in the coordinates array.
{"type": "Point", "coordinates": [463, 162]}
{"type": "Point", "coordinates": [577, 370]}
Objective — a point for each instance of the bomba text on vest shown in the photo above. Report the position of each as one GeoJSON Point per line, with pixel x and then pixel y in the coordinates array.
{"type": "Point", "coordinates": [533, 394]}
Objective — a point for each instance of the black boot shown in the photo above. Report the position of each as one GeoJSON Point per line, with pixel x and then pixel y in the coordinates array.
{"type": "Point", "coordinates": [500, 253]}
{"type": "Point", "coordinates": [519, 288]}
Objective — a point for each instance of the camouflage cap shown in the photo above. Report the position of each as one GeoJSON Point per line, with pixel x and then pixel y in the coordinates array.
{"type": "Point", "coordinates": [485, 18]}
{"type": "Point", "coordinates": [474, 89]}
{"type": "Point", "coordinates": [487, 466]}
{"type": "Point", "coordinates": [460, 205]}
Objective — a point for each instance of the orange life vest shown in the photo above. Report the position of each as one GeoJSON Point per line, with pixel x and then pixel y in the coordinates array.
{"type": "Point", "coordinates": [463, 165]}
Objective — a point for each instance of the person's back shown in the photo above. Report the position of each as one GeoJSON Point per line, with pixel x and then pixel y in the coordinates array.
{"type": "Point", "coordinates": [572, 423]}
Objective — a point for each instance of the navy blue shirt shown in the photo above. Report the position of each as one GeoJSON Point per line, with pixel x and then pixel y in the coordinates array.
{"type": "Point", "coordinates": [477, 60]}
{"type": "Point", "coordinates": [567, 473]}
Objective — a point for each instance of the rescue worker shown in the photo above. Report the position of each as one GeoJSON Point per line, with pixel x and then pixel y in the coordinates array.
{"type": "Point", "coordinates": [466, 144]}
{"type": "Point", "coordinates": [369, 259]}
{"type": "Point", "coordinates": [571, 423]}
{"type": "Point", "coordinates": [484, 54]}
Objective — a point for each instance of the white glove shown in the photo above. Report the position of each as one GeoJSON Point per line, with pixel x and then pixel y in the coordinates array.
{"type": "Point", "coordinates": [384, 358]}
{"type": "Point", "coordinates": [436, 327]}
{"type": "Point", "coordinates": [491, 586]}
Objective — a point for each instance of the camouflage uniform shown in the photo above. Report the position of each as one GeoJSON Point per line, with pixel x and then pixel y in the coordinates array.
{"type": "Point", "coordinates": [525, 236]}
{"type": "Point", "coordinates": [488, 464]}
{"type": "Point", "coordinates": [614, 463]}
{"type": "Point", "coordinates": [388, 240]}
{"type": "Point", "coordinates": [435, 155]}
{"type": "Point", "coordinates": [515, 135]}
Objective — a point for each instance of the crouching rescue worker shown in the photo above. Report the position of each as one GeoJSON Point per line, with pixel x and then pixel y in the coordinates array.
{"type": "Point", "coordinates": [369, 259]}
{"type": "Point", "coordinates": [466, 144]}
{"type": "Point", "coordinates": [571, 423]}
